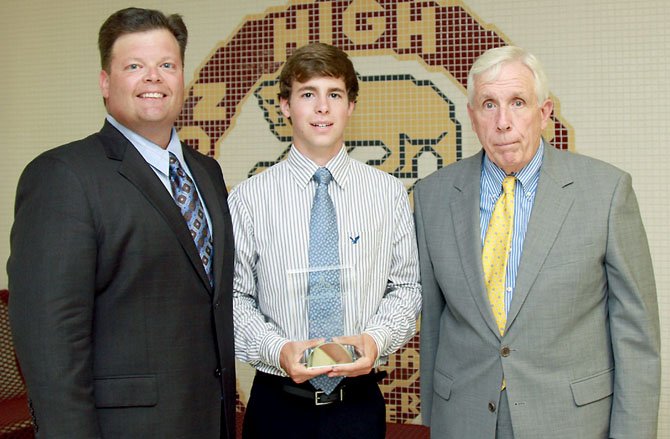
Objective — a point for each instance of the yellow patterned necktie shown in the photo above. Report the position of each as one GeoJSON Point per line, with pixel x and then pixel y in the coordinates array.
{"type": "Point", "coordinates": [496, 250]}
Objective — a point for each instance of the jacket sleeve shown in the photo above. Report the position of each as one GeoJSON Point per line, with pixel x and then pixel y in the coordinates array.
{"type": "Point", "coordinates": [51, 281]}
{"type": "Point", "coordinates": [433, 304]}
{"type": "Point", "coordinates": [633, 317]}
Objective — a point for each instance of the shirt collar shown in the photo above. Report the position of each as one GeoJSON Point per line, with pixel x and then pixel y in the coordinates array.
{"type": "Point", "coordinates": [528, 177]}
{"type": "Point", "coordinates": [156, 156]}
{"type": "Point", "coordinates": [303, 168]}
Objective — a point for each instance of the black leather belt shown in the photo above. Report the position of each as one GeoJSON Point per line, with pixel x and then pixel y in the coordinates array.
{"type": "Point", "coordinates": [348, 389]}
{"type": "Point", "coordinates": [319, 396]}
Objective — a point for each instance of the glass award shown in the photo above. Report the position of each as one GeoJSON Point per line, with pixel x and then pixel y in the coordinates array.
{"type": "Point", "coordinates": [329, 354]}
{"type": "Point", "coordinates": [330, 309]}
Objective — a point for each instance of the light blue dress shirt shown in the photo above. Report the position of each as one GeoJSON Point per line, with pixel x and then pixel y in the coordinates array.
{"type": "Point", "coordinates": [159, 159]}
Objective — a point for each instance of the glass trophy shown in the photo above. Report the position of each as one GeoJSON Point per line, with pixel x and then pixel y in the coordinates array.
{"type": "Point", "coordinates": [331, 316]}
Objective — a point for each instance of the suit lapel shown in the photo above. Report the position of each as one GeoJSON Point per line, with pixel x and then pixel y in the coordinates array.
{"type": "Point", "coordinates": [465, 216]}
{"type": "Point", "coordinates": [553, 201]}
{"type": "Point", "coordinates": [136, 170]}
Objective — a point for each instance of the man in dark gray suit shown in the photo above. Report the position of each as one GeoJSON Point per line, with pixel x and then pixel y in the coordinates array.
{"type": "Point", "coordinates": [568, 346]}
{"type": "Point", "coordinates": [121, 299]}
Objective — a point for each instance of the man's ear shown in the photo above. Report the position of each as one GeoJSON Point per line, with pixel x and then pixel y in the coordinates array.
{"type": "Point", "coordinates": [545, 109]}
{"type": "Point", "coordinates": [104, 83]}
{"type": "Point", "coordinates": [285, 107]}
{"type": "Point", "coordinates": [471, 115]}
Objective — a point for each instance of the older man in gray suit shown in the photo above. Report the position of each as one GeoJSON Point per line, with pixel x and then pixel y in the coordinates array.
{"type": "Point", "coordinates": [540, 316]}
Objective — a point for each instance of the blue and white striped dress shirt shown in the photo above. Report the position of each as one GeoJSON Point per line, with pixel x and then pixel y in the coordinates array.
{"type": "Point", "coordinates": [524, 196]}
{"type": "Point", "coordinates": [271, 211]}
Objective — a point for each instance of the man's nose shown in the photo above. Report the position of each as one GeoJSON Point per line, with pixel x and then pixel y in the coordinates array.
{"type": "Point", "coordinates": [503, 122]}
{"type": "Point", "coordinates": [322, 105]}
{"type": "Point", "coordinates": [153, 75]}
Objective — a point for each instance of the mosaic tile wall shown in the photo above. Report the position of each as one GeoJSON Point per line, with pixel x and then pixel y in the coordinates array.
{"type": "Point", "coordinates": [404, 123]}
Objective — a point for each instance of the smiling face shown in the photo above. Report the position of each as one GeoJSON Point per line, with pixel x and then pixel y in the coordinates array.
{"type": "Point", "coordinates": [144, 88]}
{"type": "Point", "coordinates": [507, 118]}
{"type": "Point", "coordinates": [319, 110]}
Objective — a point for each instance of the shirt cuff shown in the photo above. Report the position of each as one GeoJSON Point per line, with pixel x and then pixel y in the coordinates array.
{"type": "Point", "coordinates": [270, 350]}
{"type": "Point", "coordinates": [382, 338]}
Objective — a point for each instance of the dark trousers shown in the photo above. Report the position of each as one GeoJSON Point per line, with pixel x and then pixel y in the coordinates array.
{"type": "Point", "coordinates": [272, 412]}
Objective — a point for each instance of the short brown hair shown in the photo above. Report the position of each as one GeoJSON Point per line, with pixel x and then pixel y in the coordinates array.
{"type": "Point", "coordinates": [131, 20]}
{"type": "Point", "coordinates": [317, 60]}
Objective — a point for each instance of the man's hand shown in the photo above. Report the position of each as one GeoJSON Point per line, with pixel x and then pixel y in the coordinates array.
{"type": "Point", "coordinates": [365, 347]}
{"type": "Point", "coordinates": [290, 359]}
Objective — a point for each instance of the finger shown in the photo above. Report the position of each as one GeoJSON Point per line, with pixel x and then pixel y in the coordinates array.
{"type": "Point", "coordinates": [343, 339]}
{"type": "Point", "coordinates": [354, 340]}
{"type": "Point", "coordinates": [359, 367]}
{"type": "Point", "coordinates": [350, 372]}
{"type": "Point", "coordinates": [298, 348]}
{"type": "Point", "coordinates": [308, 373]}
{"type": "Point", "coordinates": [315, 342]}
{"type": "Point", "coordinates": [299, 373]}
{"type": "Point", "coordinates": [316, 371]}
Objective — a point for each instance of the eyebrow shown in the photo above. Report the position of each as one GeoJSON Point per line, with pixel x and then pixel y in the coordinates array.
{"type": "Point", "coordinates": [312, 88]}
{"type": "Point", "coordinates": [515, 94]}
{"type": "Point", "coordinates": [143, 59]}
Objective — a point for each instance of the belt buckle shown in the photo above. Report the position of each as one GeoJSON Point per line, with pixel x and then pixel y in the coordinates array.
{"type": "Point", "coordinates": [319, 395]}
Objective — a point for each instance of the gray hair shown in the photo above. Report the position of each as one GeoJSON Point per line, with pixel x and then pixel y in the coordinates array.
{"type": "Point", "coordinates": [490, 62]}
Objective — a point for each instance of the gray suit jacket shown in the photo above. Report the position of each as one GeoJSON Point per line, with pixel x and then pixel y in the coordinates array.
{"type": "Point", "coordinates": [580, 354]}
{"type": "Point", "coordinates": [116, 327]}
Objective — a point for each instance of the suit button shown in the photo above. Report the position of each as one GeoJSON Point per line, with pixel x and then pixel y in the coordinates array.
{"type": "Point", "coordinates": [216, 305]}
{"type": "Point", "coordinates": [492, 406]}
{"type": "Point", "coordinates": [217, 372]}
{"type": "Point", "coordinates": [505, 351]}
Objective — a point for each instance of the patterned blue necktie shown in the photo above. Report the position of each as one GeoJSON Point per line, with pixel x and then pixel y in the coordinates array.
{"type": "Point", "coordinates": [186, 197]}
{"type": "Point", "coordinates": [325, 301]}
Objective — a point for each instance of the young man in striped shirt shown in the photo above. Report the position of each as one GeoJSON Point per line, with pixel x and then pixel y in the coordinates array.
{"type": "Point", "coordinates": [378, 267]}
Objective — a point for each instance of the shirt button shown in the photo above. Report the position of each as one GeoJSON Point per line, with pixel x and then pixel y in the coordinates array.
{"type": "Point", "coordinates": [492, 406]}
{"type": "Point", "coordinates": [505, 351]}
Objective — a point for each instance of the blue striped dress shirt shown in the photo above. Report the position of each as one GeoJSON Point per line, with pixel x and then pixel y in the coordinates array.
{"type": "Point", "coordinates": [524, 196]}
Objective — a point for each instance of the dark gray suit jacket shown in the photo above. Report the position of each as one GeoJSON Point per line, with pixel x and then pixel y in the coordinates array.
{"type": "Point", "coordinates": [116, 327]}
{"type": "Point", "coordinates": [580, 354]}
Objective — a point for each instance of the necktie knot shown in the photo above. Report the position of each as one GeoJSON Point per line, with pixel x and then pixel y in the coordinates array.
{"type": "Point", "coordinates": [174, 162]}
{"type": "Point", "coordinates": [176, 171]}
{"type": "Point", "coordinates": [323, 176]}
{"type": "Point", "coordinates": [508, 184]}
